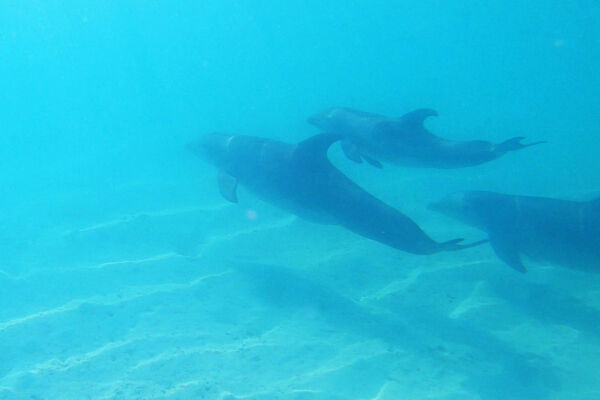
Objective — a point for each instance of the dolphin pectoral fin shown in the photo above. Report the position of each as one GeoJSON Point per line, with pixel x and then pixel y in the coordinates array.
{"type": "Point", "coordinates": [314, 149]}
{"type": "Point", "coordinates": [455, 244]}
{"type": "Point", "coordinates": [508, 252]}
{"type": "Point", "coordinates": [351, 151]}
{"type": "Point", "coordinates": [515, 144]}
{"type": "Point", "coordinates": [372, 161]}
{"type": "Point", "coordinates": [228, 186]}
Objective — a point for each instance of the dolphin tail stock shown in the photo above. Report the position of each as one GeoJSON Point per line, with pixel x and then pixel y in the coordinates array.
{"type": "Point", "coordinates": [515, 144]}
{"type": "Point", "coordinates": [455, 244]}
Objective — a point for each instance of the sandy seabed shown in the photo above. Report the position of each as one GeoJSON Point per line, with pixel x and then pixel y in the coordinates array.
{"type": "Point", "coordinates": [228, 303]}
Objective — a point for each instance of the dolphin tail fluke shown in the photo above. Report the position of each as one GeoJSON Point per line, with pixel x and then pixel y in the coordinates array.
{"type": "Point", "coordinates": [455, 244]}
{"type": "Point", "coordinates": [515, 144]}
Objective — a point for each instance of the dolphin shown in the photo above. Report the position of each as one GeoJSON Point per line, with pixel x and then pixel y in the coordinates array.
{"type": "Point", "coordinates": [405, 140]}
{"type": "Point", "coordinates": [560, 232]}
{"type": "Point", "coordinates": [300, 179]}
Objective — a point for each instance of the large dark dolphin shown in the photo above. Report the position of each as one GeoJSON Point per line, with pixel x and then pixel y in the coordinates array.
{"type": "Point", "coordinates": [556, 231]}
{"type": "Point", "coordinates": [300, 179]}
{"type": "Point", "coordinates": [405, 140]}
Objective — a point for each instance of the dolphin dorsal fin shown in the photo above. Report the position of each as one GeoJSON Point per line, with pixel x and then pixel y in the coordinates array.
{"type": "Point", "coordinates": [409, 126]}
{"type": "Point", "coordinates": [314, 149]}
{"type": "Point", "coordinates": [416, 118]}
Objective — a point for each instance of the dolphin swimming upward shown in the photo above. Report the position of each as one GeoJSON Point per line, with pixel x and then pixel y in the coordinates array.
{"type": "Point", "coordinates": [300, 179]}
{"type": "Point", "coordinates": [557, 231]}
{"type": "Point", "coordinates": [405, 140]}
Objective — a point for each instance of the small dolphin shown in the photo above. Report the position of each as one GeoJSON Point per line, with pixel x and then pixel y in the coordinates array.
{"type": "Point", "coordinates": [556, 231]}
{"type": "Point", "coordinates": [405, 140]}
{"type": "Point", "coordinates": [300, 179]}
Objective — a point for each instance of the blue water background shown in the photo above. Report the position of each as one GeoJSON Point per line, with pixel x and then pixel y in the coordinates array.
{"type": "Point", "coordinates": [97, 102]}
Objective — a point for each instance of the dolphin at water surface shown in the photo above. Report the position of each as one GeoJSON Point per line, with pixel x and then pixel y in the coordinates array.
{"type": "Point", "coordinates": [557, 231]}
{"type": "Point", "coordinates": [405, 141]}
{"type": "Point", "coordinates": [300, 179]}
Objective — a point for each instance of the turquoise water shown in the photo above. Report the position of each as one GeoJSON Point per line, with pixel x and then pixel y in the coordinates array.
{"type": "Point", "coordinates": [125, 275]}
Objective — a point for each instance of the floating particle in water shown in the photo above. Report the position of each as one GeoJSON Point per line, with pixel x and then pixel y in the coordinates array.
{"type": "Point", "coordinates": [251, 215]}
